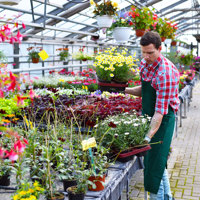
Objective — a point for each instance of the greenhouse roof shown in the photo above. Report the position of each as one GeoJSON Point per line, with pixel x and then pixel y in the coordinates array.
{"type": "Point", "coordinates": [71, 20]}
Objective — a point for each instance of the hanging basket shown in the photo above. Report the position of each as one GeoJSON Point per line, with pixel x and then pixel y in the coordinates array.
{"type": "Point", "coordinates": [139, 32]}
{"type": "Point", "coordinates": [104, 21]}
{"type": "Point", "coordinates": [10, 2]}
{"type": "Point", "coordinates": [122, 34]}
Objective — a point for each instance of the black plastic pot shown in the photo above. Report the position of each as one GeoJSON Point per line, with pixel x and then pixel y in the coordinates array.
{"type": "Point", "coordinates": [72, 196]}
{"type": "Point", "coordinates": [68, 183]}
{"type": "Point", "coordinates": [5, 180]}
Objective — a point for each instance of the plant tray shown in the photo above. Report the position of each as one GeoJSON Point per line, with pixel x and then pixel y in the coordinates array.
{"type": "Point", "coordinates": [124, 157]}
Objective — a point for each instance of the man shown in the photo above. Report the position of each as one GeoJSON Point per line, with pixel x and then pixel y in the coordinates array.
{"type": "Point", "coordinates": [159, 91]}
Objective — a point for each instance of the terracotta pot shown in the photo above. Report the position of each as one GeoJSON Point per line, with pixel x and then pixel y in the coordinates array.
{"type": "Point", "coordinates": [163, 39]}
{"type": "Point", "coordinates": [173, 43]}
{"type": "Point", "coordinates": [35, 60]}
{"type": "Point", "coordinates": [139, 32]}
{"type": "Point", "coordinates": [97, 180]}
{"type": "Point", "coordinates": [85, 59]}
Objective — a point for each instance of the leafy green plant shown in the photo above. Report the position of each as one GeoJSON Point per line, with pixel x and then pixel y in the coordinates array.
{"type": "Point", "coordinates": [126, 131]}
{"type": "Point", "coordinates": [104, 8]}
{"type": "Point", "coordinates": [80, 55]}
{"type": "Point", "coordinates": [2, 57]}
{"type": "Point", "coordinates": [64, 53]}
{"type": "Point", "coordinates": [33, 52]}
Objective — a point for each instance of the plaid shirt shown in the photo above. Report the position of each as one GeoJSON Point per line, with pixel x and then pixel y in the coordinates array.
{"type": "Point", "coordinates": [165, 82]}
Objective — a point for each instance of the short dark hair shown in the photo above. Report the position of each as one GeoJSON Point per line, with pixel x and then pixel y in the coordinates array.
{"type": "Point", "coordinates": [151, 37]}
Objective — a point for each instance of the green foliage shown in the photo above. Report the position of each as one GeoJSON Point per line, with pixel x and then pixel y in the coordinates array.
{"type": "Point", "coordinates": [33, 52]}
{"type": "Point", "coordinates": [125, 132]}
{"type": "Point", "coordinates": [104, 8]}
{"type": "Point", "coordinates": [3, 58]}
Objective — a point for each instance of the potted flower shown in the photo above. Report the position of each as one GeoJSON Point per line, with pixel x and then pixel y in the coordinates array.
{"type": "Point", "coordinates": [33, 54]}
{"type": "Point", "coordinates": [185, 59]}
{"type": "Point", "coordinates": [80, 55]}
{"type": "Point", "coordinates": [63, 53]}
{"type": "Point", "coordinates": [126, 131]}
{"type": "Point", "coordinates": [165, 27]}
{"type": "Point", "coordinates": [196, 63]}
{"type": "Point", "coordinates": [114, 68]}
{"type": "Point", "coordinates": [142, 19]}
{"type": "Point", "coordinates": [28, 191]}
{"type": "Point", "coordinates": [121, 27]}
{"type": "Point", "coordinates": [104, 12]}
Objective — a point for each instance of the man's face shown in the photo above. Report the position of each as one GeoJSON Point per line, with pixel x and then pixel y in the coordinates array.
{"type": "Point", "coordinates": [150, 53]}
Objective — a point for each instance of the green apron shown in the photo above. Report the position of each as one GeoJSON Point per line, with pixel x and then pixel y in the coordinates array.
{"type": "Point", "coordinates": [155, 160]}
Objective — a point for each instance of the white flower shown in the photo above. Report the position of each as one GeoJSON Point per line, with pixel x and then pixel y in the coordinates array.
{"type": "Point", "coordinates": [127, 133]}
{"type": "Point", "coordinates": [135, 124]}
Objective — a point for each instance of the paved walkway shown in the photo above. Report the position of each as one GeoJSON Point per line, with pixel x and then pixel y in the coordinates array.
{"type": "Point", "coordinates": [184, 162]}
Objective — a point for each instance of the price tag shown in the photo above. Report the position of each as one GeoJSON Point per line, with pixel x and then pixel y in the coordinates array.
{"type": "Point", "coordinates": [43, 54]}
{"type": "Point", "coordinates": [89, 143]}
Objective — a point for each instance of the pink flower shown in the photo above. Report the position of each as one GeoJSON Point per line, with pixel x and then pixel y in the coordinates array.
{"type": "Point", "coordinates": [2, 152]}
{"type": "Point", "coordinates": [19, 146]}
{"type": "Point", "coordinates": [12, 155]}
{"type": "Point", "coordinates": [23, 25]}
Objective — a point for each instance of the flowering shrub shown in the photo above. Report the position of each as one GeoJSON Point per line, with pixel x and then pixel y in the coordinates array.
{"type": "Point", "coordinates": [33, 52]}
{"type": "Point", "coordinates": [114, 65]}
{"type": "Point", "coordinates": [64, 53]}
{"type": "Point", "coordinates": [104, 8]}
{"type": "Point", "coordinates": [196, 61]}
{"type": "Point", "coordinates": [165, 27]}
{"type": "Point", "coordinates": [28, 192]}
{"type": "Point", "coordinates": [142, 18]}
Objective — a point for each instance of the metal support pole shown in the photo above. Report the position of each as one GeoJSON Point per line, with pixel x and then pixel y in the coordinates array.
{"type": "Point", "coordinates": [184, 106]}
{"type": "Point", "coordinates": [45, 13]}
{"type": "Point", "coordinates": [180, 112]}
{"type": "Point", "coordinates": [32, 9]}
{"type": "Point", "coordinates": [16, 59]}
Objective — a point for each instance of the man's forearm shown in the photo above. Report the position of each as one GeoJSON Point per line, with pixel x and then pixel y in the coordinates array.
{"type": "Point", "coordinates": [155, 124]}
{"type": "Point", "coordinates": [136, 91]}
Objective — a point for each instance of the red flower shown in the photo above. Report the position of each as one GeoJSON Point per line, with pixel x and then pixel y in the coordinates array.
{"type": "Point", "coordinates": [111, 124]}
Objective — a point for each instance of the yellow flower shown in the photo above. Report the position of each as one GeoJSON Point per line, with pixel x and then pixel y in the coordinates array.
{"type": "Point", "coordinates": [22, 193]}
{"type": "Point", "coordinates": [15, 197]}
{"type": "Point", "coordinates": [111, 75]}
{"type": "Point", "coordinates": [61, 80]}
{"type": "Point", "coordinates": [92, 2]}
{"type": "Point", "coordinates": [115, 4]}
{"type": "Point", "coordinates": [32, 197]}
{"type": "Point", "coordinates": [30, 190]}
{"type": "Point", "coordinates": [35, 184]}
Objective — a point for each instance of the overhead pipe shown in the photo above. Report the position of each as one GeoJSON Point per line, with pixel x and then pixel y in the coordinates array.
{"type": "Point", "coordinates": [181, 9]}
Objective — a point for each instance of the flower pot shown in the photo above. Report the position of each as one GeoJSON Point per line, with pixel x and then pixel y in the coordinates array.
{"type": "Point", "coordinates": [127, 156]}
{"type": "Point", "coordinates": [5, 180]}
{"type": "Point", "coordinates": [68, 183]}
{"type": "Point", "coordinates": [163, 39]}
{"type": "Point", "coordinates": [104, 21]}
{"type": "Point", "coordinates": [57, 196]}
{"type": "Point", "coordinates": [97, 180]}
{"type": "Point", "coordinates": [139, 32]}
{"type": "Point", "coordinates": [122, 34]}
{"type": "Point", "coordinates": [9, 2]}
{"type": "Point", "coordinates": [173, 43]}
{"type": "Point", "coordinates": [84, 59]}
{"type": "Point", "coordinates": [112, 87]}
{"type": "Point", "coordinates": [74, 196]}
{"type": "Point", "coordinates": [35, 60]}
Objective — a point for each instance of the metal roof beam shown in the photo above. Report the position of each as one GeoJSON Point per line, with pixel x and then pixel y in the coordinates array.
{"type": "Point", "coordinates": [48, 3]}
{"type": "Point", "coordinates": [181, 9]}
{"type": "Point", "coordinates": [172, 5]}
